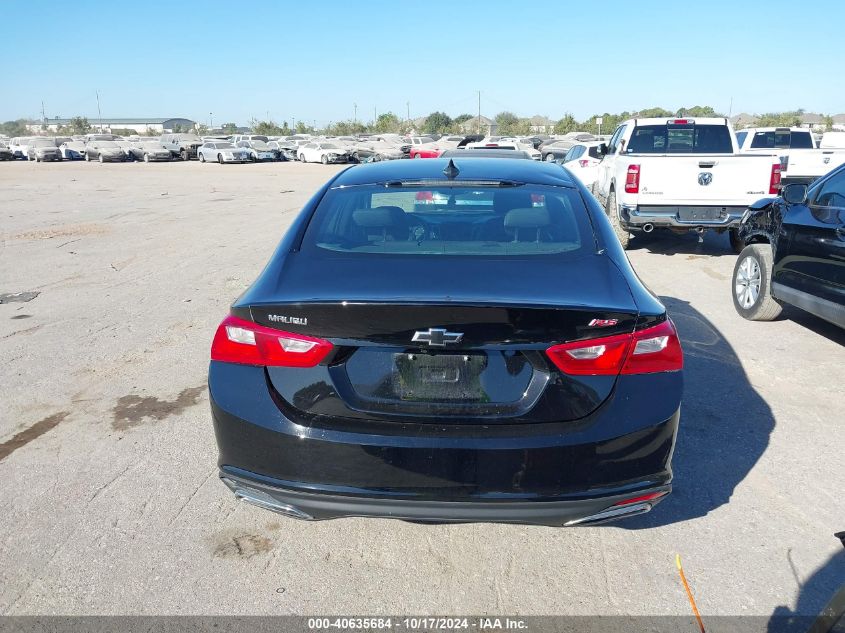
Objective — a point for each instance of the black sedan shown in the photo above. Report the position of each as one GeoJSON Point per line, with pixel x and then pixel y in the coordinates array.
{"type": "Point", "coordinates": [448, 340]}
{"type": "Point", "coordinates": [794, 253]}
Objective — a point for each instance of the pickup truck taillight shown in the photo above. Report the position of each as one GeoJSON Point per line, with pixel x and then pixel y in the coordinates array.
{"type": "Point", "coordinates": [774, 180]}
{"type": "Point", "coordinates": [632, 179]}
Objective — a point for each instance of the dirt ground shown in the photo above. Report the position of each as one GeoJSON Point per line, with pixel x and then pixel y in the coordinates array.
{"type": "Point", "coordinates": [110, 496]}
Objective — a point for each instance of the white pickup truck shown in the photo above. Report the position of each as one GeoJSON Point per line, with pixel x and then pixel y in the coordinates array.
{"type": "Point", "coordinates": [800, 160]}
{"type": "Point", "coordinates": [683, 174]}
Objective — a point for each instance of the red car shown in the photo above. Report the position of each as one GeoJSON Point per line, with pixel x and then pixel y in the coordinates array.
{"type": "Point", "coordinates": [433, 149]}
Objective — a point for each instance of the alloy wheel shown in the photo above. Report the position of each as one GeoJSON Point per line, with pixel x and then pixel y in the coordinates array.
{"type": "Point", "coordinates": [747, 288]}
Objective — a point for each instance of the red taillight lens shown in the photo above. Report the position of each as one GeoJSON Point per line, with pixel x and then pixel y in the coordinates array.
{"type": "Point", "coordinates": [247, 343]}
{"type": "Point", "coordinates": [632, 179]}
{"type": "Point", "coordinates": [655, 349]}
{"type": "Point", "coordinates": [584, 163]}
{"type": "Point", "coordinates": [425, 196]}
{"type": "Point", "coordinates": [647, 351]}
{"type": "Point", "coordinates": [646, 497]}
{"type": "Point", "coordinates": [774, 180]}
{"type": "Point", "coordinates": [595, 357]}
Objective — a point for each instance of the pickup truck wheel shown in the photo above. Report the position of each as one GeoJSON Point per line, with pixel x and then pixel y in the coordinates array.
{"type": "Point", "coordinates": [752, 284]}
{"type": "Point", "coordinates": [184, 154]}
{"type": "Point", "coordinates": [737, 243]}
{"type": "Point", "coordinates": [612, 210]}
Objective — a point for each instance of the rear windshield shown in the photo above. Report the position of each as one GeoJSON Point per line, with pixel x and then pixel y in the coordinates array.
{"type": "Point", "coordinates": [782, 139]}
{"type": "Point", "coordinates": [457, 219]}
{"type": "Point", "coordinates": [684, 139]}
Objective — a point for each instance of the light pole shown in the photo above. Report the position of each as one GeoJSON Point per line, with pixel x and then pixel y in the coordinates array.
{"type": "Point", "coordinates": [210, 120]}
{"type": "Point", "coordinates": [354, 112]}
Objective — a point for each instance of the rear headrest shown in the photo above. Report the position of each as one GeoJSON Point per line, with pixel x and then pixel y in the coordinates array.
{"type": "Point", "coordinates": [530, 218]}
{"type": "Point", "coordinates": [378, 217]}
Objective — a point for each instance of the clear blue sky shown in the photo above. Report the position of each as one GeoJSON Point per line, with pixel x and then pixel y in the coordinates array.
{"type": "Point", "coordinates": [313, 60]}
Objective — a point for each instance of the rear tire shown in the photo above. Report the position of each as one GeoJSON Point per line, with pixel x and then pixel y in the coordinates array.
{"type": "Point", "coordinates": [751, 284]}
{"type": "Point", "coordinates": [220, 158]}
{"type": "Point", "coordinates": [737, 243]}
{"type": "Point", "coordinates": [612, 210]}
{"type": "Point", "coordinates": [184, 155]}
{"type": "Point", "coordinates": [101, 159]}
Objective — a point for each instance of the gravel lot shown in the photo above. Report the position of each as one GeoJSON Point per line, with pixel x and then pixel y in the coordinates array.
{"type": "Point", "coordinates": [111, 502]}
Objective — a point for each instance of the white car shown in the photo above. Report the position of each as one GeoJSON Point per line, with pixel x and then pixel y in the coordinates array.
{"type": "Point", "coordinates": [583, 161]}
{"type": "Point", "coordinates": [72, 150]}
{"type": "Point", "coordinates": [258, 150]}
{"type": "Point", "coordinates": [506, 143]}
{"type": "Point", "coordinates": [222, 152]}
{"type": "Point", "coordinates": [20, 146]}
{"type": "Point", "coordinates": [323, 152]}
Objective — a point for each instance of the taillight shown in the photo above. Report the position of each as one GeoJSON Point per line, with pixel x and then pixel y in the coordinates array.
{"type": "Point", "coordinates": [425, 196]}
{"type": "Point", "coordinates": [655, 349]}
{"type": "Point", "coordinates": [647, 351]}
{"type": "Point", "coordinates": [774, 179]}
{"type": "Point", "coordinates": [584, 162]}
{"type": "Point", "coordinates": [632, 179]}
{"type": "Point", "coordinates": [650, 496]}
{"type": "Point", "coordinates": [247, 343]}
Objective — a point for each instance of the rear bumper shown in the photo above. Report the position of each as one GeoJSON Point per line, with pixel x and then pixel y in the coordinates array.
{"type": "Point", "coordinates": [550, 474]}
{"type": "Point", "coordinates": [310, 505]}
{"type": "Point", "coordinates": [681, 217]}
{"type": "Point", "coordinates": [803, 180]}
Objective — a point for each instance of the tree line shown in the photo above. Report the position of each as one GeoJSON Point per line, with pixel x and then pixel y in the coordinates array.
{"type": "Point", "coordinates": [507, 123]}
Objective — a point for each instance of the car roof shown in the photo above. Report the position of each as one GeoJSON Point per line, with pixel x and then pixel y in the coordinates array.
{"type": "Point", "coordinates": [491, 152]}
{"type": "Point", "coordinates": [518, 170]}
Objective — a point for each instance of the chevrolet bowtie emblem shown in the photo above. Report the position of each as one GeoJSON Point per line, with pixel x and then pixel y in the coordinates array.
{"type": "Point", "coordinates": [437, 337]}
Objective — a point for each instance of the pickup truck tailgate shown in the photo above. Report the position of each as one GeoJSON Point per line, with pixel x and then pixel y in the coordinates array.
{"type": "Point", "coordinates": [807, 165]}
{"type": "Point", "coordinates": [703, 180]}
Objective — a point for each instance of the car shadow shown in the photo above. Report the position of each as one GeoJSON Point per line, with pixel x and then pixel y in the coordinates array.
{"type": "Point", "coordinates": [823, 591]}
{"type": "Point", "coordinates": [662, 242]}
{"type": "Point", "coordinates": [821, 327]}
{"type": "Point", "coordinates": [725, 424]}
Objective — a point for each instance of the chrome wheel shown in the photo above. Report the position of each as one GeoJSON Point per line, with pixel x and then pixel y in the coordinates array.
{"type": "Point", "coordinates": [747, 286]}
{"type": "Point", "coordinates": [550, 158]}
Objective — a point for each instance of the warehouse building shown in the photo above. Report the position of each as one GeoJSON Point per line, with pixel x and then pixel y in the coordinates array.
{"type": "Point", "coordinates": [136, 126]}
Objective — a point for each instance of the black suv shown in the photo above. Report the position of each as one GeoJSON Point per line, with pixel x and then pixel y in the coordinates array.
{"type": "Point", "coordinates": [795, 252]}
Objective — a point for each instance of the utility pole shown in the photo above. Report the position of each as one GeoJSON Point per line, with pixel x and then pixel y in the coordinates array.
{"type": "Point", "coordinates": [99, 114]}
{"type": "Point", "coordinates": [354, 112]}
{"type": "Point", "coordinates": [479, 113]}
{"type": "Point", "coordinates": [210, 120]}
{"type": "Point", "coordinates": [374, 115]}
{"type": "Point", "coordinates": [408, 106]}
{"type": "Point", "coordinates": [731, 107]}
{"type": "Point", "coordinates": [43, 116]}
{"type": "Point", "coordinates": [292, 126]}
